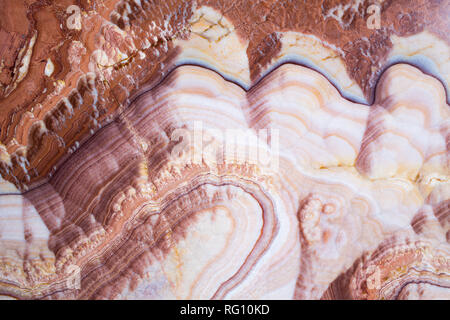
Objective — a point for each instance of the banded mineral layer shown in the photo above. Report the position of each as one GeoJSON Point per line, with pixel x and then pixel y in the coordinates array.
{"type": "Point", "coordinates": [117, 180]}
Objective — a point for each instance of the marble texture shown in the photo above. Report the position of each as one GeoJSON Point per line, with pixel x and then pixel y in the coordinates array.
{"type": "Point", "coordinates": [224, 150]}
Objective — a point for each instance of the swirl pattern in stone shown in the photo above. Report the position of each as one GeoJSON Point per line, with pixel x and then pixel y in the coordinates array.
{"type": "Point", "coordinates": [103, 193]}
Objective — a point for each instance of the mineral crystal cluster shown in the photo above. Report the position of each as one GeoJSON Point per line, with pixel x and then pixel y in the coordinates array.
{"type": "Point", "coordinates": [224, 149]}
